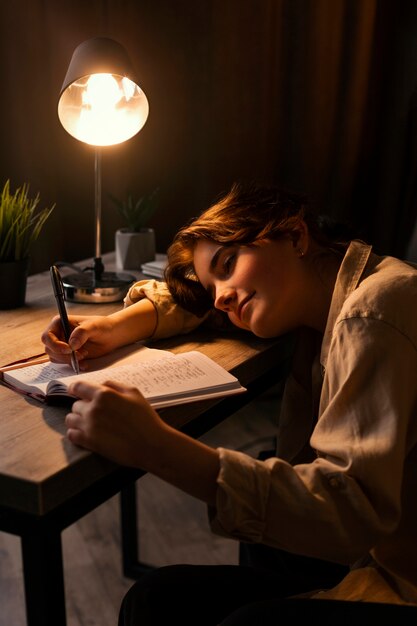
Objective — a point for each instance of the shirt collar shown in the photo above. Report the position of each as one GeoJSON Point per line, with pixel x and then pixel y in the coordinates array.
{"type": "Point", "coordinates": [348, 277]}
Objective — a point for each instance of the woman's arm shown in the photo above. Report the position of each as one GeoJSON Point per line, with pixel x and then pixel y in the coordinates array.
{"type": "Point", "coordinates": [149, 312]}
{"type": "Point", "coordinates": [341, 504]}
{"type": "Point", "coordinates": [95, 335]}
{"type": "Point", "coordinates": [117, 422]}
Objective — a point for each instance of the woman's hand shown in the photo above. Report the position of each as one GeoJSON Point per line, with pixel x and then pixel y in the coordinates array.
{"type": "Point", "coordinates": [95, 335]}
{"type": "Point", "coordinates": [116, 421]}
{"type": "Point", "coordinates": [91, 337]}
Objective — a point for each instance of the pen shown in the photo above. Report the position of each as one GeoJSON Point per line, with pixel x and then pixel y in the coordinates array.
{"type": "Point", "coordinates": [60, 300]}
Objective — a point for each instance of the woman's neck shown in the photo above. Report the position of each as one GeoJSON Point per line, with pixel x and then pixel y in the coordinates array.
{"type": "Point", "coordinates": [324, 266]}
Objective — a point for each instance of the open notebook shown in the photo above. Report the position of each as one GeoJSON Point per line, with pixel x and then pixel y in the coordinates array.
{"type": "Point", "coordinates": [162, 377]}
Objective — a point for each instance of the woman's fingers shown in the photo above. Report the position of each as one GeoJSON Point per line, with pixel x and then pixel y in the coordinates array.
{"type": "Point", "coordinates": [83, 390]}
{"type": "Point", "coordinates": [79, 336]}
{"type": "Point", "coordinates": [88, 335]}
{"type": "Point", "coordinates": [113, 420]}
{"type": "Point", "coordinates": [78, 422]}
{"type": "Point", "coordinates": [54, 341]}
{"type": "Point", "coordinates": [77, 437]}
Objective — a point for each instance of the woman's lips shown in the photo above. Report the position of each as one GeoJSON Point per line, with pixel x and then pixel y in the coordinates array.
{"type": "Point", "coordinates": [243, 304]}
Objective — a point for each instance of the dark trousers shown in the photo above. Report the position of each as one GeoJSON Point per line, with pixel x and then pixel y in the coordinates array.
{"type": "Point", "coordinates": [206, 595]}
{"type": "Point", "coordinates": [233, 595]}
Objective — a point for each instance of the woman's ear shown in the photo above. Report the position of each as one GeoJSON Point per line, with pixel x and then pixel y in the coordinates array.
{"type": "Point", "coordinates": [300, 238]}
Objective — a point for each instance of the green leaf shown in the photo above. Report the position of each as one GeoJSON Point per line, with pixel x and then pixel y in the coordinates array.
{"type": "Point", "coordinates": [137, 213]}
{"type": "Point", "coordinates": [20, 222]}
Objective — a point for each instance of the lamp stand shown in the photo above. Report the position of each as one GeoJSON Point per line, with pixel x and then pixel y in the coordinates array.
{"type": "Point", "coordinates": [94, 284]}
{"type": "Point", "coordinates": [98, 268]}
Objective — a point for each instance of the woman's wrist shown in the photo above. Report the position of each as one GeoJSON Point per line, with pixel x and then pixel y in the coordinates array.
{"type": "Point", "coordinates": [135, 322]}
{"type": "Point", "coordinates": [183, 462]}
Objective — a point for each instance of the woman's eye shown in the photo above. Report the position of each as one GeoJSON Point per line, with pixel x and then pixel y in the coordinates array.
{"type": "Point", "coordinates": [228, 263]}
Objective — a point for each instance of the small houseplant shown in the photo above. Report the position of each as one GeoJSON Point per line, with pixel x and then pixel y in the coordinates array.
{"type": "Point", "coordinates": [135, 243]}
{"type": "Point", "coordinates": [21, 221]}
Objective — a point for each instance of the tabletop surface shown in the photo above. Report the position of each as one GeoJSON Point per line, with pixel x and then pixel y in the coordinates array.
{"type": "Point", "coordinates": [39, 467]}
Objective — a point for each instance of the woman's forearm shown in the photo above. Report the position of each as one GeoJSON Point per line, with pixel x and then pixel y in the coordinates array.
{"type": "Point", "coordinates": [134, 323]}
{"type": "Point", "coordinates": [185, 463]}
{"type": "Point", "coordinates": [117, 422]}
{"type": "Point", "coordinates": [176, 458]}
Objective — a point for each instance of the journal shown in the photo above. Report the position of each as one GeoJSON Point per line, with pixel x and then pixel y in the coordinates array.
{"type": "Point", "coordinates": [164, 378]}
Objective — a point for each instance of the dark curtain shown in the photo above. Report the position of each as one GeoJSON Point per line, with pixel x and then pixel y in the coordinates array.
{"type": "Point", "coordinates": [317, 95]}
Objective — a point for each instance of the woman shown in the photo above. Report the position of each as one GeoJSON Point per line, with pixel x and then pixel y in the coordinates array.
{"type": "Point", "coordinates": [341, 488]}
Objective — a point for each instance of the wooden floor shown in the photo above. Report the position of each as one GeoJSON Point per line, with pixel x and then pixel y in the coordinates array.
{"type": "Point", "coordinates": [173, 528]}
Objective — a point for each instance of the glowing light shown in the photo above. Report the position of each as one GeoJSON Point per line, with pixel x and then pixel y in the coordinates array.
{"type": "Point", "coordinates": [128, 88]}
{"type": "Point", "coordinates": [102, 92]}
{"type": "Point", "coordinates": [103, 109]}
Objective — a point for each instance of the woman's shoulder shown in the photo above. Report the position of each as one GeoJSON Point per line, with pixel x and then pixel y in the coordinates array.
{"type": "Point", "coordinates": [387, 292]}
{"type": "Point", "coordinates": [388, 277]}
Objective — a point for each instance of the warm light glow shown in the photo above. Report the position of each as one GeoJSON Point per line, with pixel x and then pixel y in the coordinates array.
{"type": "Point", "coordinates": [128, 87]}
{"type": "Point", "coordinates": [103, 109]}
{"type": "Point", "coordinates": [102, 92]}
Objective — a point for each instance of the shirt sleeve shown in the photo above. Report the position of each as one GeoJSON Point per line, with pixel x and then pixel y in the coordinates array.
{"type": "Point", "coordinates": [339, 505]}
{"type": "Point", "coordinates": [172, 319]}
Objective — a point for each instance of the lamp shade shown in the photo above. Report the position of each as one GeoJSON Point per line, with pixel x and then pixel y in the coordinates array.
{"type": "Point", "coordinates": [101, 102]}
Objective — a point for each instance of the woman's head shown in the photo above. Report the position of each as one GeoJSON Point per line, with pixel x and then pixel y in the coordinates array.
{"type": "Point", "coordinates": [245, 216]}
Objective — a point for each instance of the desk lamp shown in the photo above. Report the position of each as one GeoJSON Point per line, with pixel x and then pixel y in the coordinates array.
{"type": "Point", "coordinates": [100, 104]}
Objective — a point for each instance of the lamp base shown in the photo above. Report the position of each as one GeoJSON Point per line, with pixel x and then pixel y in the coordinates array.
{"type": "Point", "coordinates": [84, 287]}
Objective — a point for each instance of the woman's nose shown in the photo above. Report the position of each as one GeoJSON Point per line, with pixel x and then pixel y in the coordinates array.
{"type": "Point", "coordinates": [225, 298]}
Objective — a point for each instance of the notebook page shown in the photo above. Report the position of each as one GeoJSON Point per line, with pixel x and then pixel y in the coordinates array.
{"type": "Point", "coordinates": [38, 375]}
{"type": "Point", "coordinates": [167, 375]}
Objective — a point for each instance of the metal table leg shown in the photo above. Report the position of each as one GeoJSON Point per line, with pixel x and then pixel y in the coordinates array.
{"type": "Point", "coordinates": [43, 577]}
{"type": "Point", "coordinates": [132, 567]}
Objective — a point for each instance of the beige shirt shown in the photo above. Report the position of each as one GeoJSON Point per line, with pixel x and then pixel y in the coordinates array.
{"type": "Point", "coordinates": [354, 403]}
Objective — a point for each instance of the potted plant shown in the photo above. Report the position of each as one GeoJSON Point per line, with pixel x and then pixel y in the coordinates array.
{"type": "Point", "coordinates": [135, 243]}
{"type": "Point", "coordinates": [20, 225]}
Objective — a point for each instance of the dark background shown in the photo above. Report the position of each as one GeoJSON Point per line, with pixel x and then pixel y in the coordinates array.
{"type": "Point", "coordinates": [317, 95]}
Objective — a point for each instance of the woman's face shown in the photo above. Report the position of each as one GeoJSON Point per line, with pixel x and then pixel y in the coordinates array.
{"type": "Point", "coordinates": [259, 287]}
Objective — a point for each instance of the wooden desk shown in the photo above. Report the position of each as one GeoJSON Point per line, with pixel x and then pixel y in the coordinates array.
{"type": "Point", "coordinates": [46, 483]}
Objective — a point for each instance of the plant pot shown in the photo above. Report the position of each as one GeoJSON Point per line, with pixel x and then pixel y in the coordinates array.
{"type": "Point", "coordinates": [13, 279]}
{"type": "Point", "coordinates": [133, 249]}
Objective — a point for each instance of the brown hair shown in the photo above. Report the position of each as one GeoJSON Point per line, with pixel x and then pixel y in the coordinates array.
{"type": "Point", "coordinates": [246, 214]}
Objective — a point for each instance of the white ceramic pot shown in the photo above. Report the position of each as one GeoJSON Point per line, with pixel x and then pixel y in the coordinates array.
{"type": "Point", "coordinates": [133, 249]}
